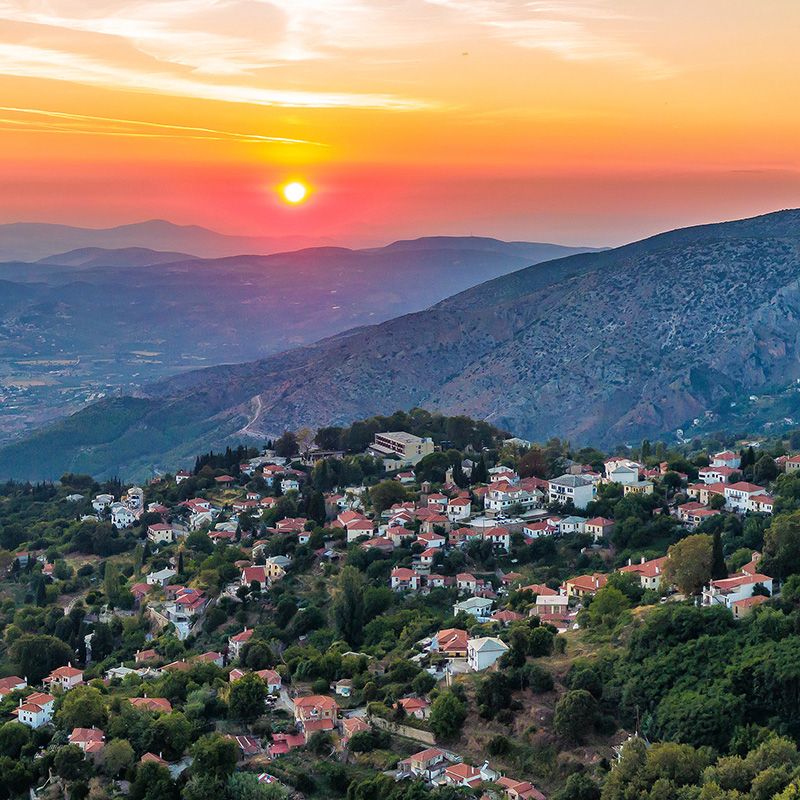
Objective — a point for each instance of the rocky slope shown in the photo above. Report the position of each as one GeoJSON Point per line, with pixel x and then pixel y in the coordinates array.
{"type": "Point", "coordinates": [602, 347]}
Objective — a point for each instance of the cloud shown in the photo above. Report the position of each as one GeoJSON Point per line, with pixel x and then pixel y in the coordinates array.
{"type": "Point", "coordinates": [43, 120]}
{"type": "Point", "coordinates": [38, 62]}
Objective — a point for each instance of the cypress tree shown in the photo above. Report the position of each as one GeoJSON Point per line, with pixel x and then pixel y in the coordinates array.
{"type": "Point", "coordinates": [718, 567]}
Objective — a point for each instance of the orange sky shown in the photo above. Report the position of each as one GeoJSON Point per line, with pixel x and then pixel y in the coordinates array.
{"type": "Point", "coordinates": [594, 121]}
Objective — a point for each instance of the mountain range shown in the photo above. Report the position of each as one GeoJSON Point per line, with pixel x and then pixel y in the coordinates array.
{"type": "Point", "coordinates": [685, 329]}
{"type": "Point", "coordinates": [82, 324]}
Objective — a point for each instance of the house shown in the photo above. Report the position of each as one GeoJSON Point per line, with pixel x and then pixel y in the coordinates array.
{"type": "Point", "coordinates": [431, 539]}
{"type": "Point", "coordinates": [575, 488]}
{"type": "Point", "coordinates": [282, 743]}
{"type": "Point", "coordinates": [11, 684]}
{"type": "Point", "coordinates": [343, 687]}
{"type": "Point", "coordinates": [466, 582]}
{"type": "Point", "coordinates": [159, 705]}
{"type": "Point", "coordinates": [459, 508]}
{"type": "Point", "coordinates": [403, 579]}
{"type": "Point", "coordinates": [727, 591]}
{"type": "Point", "coordinates": [90, 740]}
{"type": "Point", "coordinates": [405, 477]}
{"type": "Point", "coordinates": [248, 746]}
{"type": "Point", "coordinates": [761, 504]}
{"type": "Point", "coordinates": [121, 516]}
{"type": "Point", "coordinates": [451, 642]}
{"type": "Point", "coordinates": [741, 608]}
{"type": "Point", "coordinates": [520, 790]}
{"type": "Point", "coordinates": [506, 617]}
{"type": "Point", "coordinates": [500, 538]}
{"type": "Point", "coordinates": [142, 656]}
{"type": "Point", "coordinates": [478, 607]}
{"type": "Point", "coordinates": [316, 712]}
{"type": "Point", "coordinates": [648, 572]}
{"type": "Point", "coordinates": [225, 480]}
{"type": "Point", "coordinates": [726, 458]}
{"type": "Point", "coordinates": [462, 775]}
{"type": "Point", "coordinates": [351, 726]}
{"type": "Point", "coordinates": [66, 678]}
{"type": "Point", "coordinates": [584, 585]}
{"type": "Point", "coordinates": [252, 575]}
{"type": "Point", "coordinates": [461, 537]}
{"type": "Point", "coordinates": [638, 487]}
{"type": "Point", "coordinates": [539, 589]}
{"type": "Point", "coordinates": [160, 578]}
{"type": "Point", "coordinates": [237, 642]}
{"type": "Point", "coordinates": [703, 492]}
{"type": "Point", "coordinates": [550, 604]}
{"type": "Point", "coordinates": [417, 707]}
{"type": "Point", "coordinates": [738, 495]}
{"type": "Point", "coordinates": [182, 475]}
{"type": "Point", "coordinates": [483, 652]}
{"type": "Point", "coordinates": [36, 710]}
{"type": "Point", "coordinates": [271, 679]}
{"type": "Point", "coordinates": [624, 474]}
{"type": "Point", "coordinates": [410, 448]}
{"type": "Point", "coordinates": [502, 495]}
{"type": "Point", "coordinates": [211, 657]}
{"type": "Point", "coordinates": [571, 524]}
{"type": "Point", "coordinates": [358, 528]}
{"type": "Point", "coordinates": [160, 533]}
{"type": "Point", "coordinates": [599, 527]}
{"type": "Point", "coordinates": [426, 557]}
{"type": "Point", "coordinates": [428, 764]}
{"type": "Point", "coordinates": [615, 463]}
{"type": "Point", "coordinates": [716, 474]}
{"type": "Point", "coordinates": [102, 502]}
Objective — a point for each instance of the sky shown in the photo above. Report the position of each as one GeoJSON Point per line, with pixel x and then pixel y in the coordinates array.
{"type": "Point", "coordinates": [590, 122]}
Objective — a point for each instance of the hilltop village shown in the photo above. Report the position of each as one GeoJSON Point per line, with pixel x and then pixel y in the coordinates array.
{"type": "Point", "coordinates": [412, 607]}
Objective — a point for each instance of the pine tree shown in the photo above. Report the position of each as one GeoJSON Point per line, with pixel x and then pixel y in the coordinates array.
{"type": "Point", "coordinates": [479, 472]}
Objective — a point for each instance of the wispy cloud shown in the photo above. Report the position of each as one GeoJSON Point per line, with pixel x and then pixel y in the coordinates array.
{"type": "Point", "coordinates": [44, 120]}
{"type": "Point", "coordinates": [38, 62]}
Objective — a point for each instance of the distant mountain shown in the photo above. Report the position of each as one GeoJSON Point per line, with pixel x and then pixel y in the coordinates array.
{"type": "Point", "coordinates": [103, 257]}
{"type": "Point", "coordinates": [32, 241]}
{"type": "Point", "coordinates": [92, 322]}
{"type": "Point", "coordinates": [600, 347]}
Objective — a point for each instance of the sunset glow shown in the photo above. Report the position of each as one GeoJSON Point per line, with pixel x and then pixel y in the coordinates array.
{"type": "Point", "coordinates": [587, 123]}
{"type": "Point", "coordinates": [294, 192]}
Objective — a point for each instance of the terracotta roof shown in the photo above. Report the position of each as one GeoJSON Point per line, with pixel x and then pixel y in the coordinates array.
{"type": "Point", "coordinates": [160, 704]}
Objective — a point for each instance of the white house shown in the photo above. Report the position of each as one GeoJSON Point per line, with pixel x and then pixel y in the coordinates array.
{"type": "Point", "coordinates": [478, 607]}
{"type": "Point", "coordinates": [102, 502]}
{"type": "Point", "coordinates": [499, 537]}
{"type": "Point", "coordinates": [160, 578]}
{"type": "Point", "coordinates": [728, 591]}
{"type": "Point", "coordinates": [571, 524]}
{"type": "Point", "coordinates": [458, 508]}
{"type": "Point", "coordinates": [726, 458]}
{"type": "Point", "coordinates": [122, 516]}
{"type": "Point", "coordinates": [67, 677]}
{"type": "Point", "coordinates": [577, 488]}
{"type": "Point", "coordinates": [624, 473]}
{"type": "Point", "coordinates": [237, 642]}
{"type": "Point", "coordinates": [36, 710]}
{"type": "Point", "coordinates": [290, 485]}
{"type": "Point", "coordinates": [648, 572]}
{"type": "Point", "coordinates": [483, 652]}
{"type": "Point", "coordinates": [404, 579]}
{"type": "Point", "coordinates": [10, 684]}
{"type": "Point", "coordinates": [738, 495]}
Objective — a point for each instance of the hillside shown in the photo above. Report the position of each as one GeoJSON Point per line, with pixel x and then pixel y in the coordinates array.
{"type": "Point", "coordinates": [601, 347]}
{"type": "Point", "coordinates": [90, 322]}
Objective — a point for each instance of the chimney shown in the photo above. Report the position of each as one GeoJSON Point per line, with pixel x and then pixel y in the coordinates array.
{"type": "Point", "coordinates": [629, 562]}
{"type": "Point", "coordinates": [642, 561]}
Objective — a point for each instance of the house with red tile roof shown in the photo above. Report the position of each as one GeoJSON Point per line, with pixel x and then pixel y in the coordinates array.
{"type": "Point", "coordinates": [238, 641]}
{"type": "Point", "coordinates": [67, 677]}
{"type": "Point", "coordinates": [648, 572]}
{"type": "Point", "coordinates": [451, 642]}
{"type": "Point", "coordinates": [727, 591]}
{"type": "Point", "coordinates": [599, 527]}
{"type": "Point", "coordinates": [584, 585]}
{"type": "Point", "coordinates": [90, 740]}
{"type": "Point", "coordinates": [158, 704]}
{"type": "Point", "coordinates": [351, 726]}
{"type": "Point", "coordinates": [403, 579]}
{"type": "Point", "coordinates": [741, 608]}
{"type": "Point", "coordinates": [10, 684]}
{"type": "Point", "coordinates": [417, 707]}
{"type": "Point", "coordinates": [462, 775]}
{"type": "Point", "coordinates": [35, 710]}
{"type": "Point", "coordinates": [427, 764]}
{"type": "Point", "coordinates": [316, 712]}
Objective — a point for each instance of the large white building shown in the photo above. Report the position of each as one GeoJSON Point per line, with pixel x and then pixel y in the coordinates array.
{"type": "Point", "coordinates": [483, 652]}
{"type": "Point", "coordinates": [405, 445]}
{"type": "Point", "coordinates": [577, 488]}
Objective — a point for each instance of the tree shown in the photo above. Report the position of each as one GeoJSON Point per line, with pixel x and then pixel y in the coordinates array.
{"type": "Point", "coordinates": [782, 545]}
{"type": "Point", "coordinates": [718, 567]}
{"type": "Point", "coordinates": [153, 782]}
{"type": "Point", "coordinates": [173, 732]}
{"type": "Point", "coordinates": [316, 508]}
{"type": "Point", "coordinates": [533, 464]}
{"type": "Point", "coordinates": [286, 445]}
{"type": "Point", "coordinates": [116, 756]}
{"type": "Point", "coordinates": [607, 607]}
{"type": "Point", "coordinates": [214, 756]}
{"type": "Point", "coordinates": [13, 737]}
{"type": "Point", "coordinates": [765, 470]}
{"type": "Point", "coordinates": [70, 764]}
{"type": "Point", "coordinates": [246, 701]}
{"type": "Point", "coordinates": [83, 707]}
{"type": "Point", "coordinates": [348, 606]}
{"type": "Point", "coordinates": [448, 713]}
{"type": "Point", "coordinates": [38, 655]}
{"type": "Point", "coordinates": [385, 494]}
{"type": "Point", "coordinates": [245, 786]}
{"type": "Point", "coordinates": [689, 563]}
{"type": "Point", "coordinates": [578, 786]}
{"type": "Point", "coordinates": [432, 467]}
{"type": "Point", "coordinates": [575, 715]}
{"type": "Point", "coordinates": [480, 473]}
{"type": "Point", "coordinates": [102, 641]}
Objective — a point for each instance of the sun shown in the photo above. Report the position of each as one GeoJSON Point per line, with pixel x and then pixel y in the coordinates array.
{"type": "Point", "coordinates": [294, 192]}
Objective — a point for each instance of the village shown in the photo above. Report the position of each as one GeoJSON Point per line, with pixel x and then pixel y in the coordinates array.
{"type": "Point", "coordinates": [456, 535]}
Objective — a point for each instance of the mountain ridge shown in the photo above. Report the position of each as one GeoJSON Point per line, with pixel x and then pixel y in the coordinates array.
{"type": "Point", "coordinates": [600, 347]}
